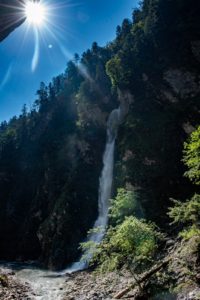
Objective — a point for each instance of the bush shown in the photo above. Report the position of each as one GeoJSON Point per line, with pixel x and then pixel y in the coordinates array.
{"type": "Point", "coordinates": [188, 233]}
{"type": "Point", "coordinates": [128, 241]}
{"type": "Point", "coordinates": [188, 214]}
{"type": "Point", "coordinates": [133, 241]}
{"type": "Point", "coordinates": [192, 156]}
{"type": "Point", "coordinates": [125, 204]}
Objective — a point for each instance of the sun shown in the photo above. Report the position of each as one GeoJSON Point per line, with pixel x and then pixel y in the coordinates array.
{"type": "Point", "coordinates": [35, 13]}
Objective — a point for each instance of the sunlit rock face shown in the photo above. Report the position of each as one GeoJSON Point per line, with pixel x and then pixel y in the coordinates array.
{"type": "Point", "coordinates": [11, 16]}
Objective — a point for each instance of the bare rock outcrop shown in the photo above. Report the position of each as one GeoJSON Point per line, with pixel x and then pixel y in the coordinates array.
{"type": "Point", "coordinates": [184, 83]}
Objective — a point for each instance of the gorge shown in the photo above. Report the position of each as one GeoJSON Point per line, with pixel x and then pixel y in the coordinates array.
{"type": "Point", "coordinates": [47, 284]}
{"type": "Point", "coordinates": [55, 187]}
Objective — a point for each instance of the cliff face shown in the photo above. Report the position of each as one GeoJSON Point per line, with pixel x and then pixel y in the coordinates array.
{"type": "Point", "coordinates": [164, 82]}
{"type": "Point", "coordinates": [50, 167]}
{"type": "Point", "coordinates": [150, 141]}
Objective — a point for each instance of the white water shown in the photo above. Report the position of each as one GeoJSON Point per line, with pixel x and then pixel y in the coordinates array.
{"type": "Point", "coordinates": [105, 187]}
{"type": "Point", "coordinates": [49, 285]}
{"type": "Point", "coordinates": [46, 285]}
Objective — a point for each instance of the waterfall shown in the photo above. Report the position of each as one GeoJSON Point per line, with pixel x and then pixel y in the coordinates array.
{"type": "Point", "coordinates": [50, 285]}
{"type": "Point", "coordinates": [105, 187]}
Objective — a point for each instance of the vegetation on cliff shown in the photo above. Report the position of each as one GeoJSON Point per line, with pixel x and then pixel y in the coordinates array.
{"type": "Point", "coordinates": [160, 267]}
{"type": "Point", "coordinates": [188, 212]}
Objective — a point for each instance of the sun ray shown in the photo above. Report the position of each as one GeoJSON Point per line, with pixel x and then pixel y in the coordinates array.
{"type": "Point", "coordinates": [68, 56]}
{"type": "Point", "coordinates": [64, 51]}
{"type": "Point", "coordinates": [35, 58]}
{"type": "Point", "coordinates": [44, 18]}
{"type": "Point", "coordinates": [6, 77]}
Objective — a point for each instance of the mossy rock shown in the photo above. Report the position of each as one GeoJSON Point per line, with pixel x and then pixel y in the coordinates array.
{"type": "Point", "coordinates": [4, 280]}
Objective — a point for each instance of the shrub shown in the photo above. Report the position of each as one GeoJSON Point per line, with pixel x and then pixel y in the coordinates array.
{"type": "Point", "coordinates": [192, 156]}
{"type": "Point", "coordinates": [188, 233]}
{"type": "Point", "coordinates": [125, 204]}
{"type": "Point", "coordinates": [132, 241]}
{"type": "Point", "coordinates": [188, 214]}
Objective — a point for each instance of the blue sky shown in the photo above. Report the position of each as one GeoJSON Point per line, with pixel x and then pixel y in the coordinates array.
{"type": "Point", "coordinates": [75, 25]}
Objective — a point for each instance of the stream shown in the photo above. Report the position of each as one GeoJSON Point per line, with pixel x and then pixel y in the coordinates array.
{"type": "Point", "coordinates": [46, 285]}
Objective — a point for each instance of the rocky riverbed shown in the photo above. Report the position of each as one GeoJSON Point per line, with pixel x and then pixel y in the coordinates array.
{"type": "Point", "coordinates": [177, 279]}
{"type": "Point", "coordinates": [12, 288]}
{"type": "Point", "coordinates": [87, 285]}
{"type": "Point", "coordinates": [30, 282]}
{"type": "Point", "coordinates": [82, 286]}
{"type": "Point", "coordinates": [77, 286]}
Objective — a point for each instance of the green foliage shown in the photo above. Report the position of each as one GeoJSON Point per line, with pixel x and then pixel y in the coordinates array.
{"type": "Point", "coordinates": [187, 212]}
{"type": "Point", "coordinates": [114, 70]}
{"type": "Point", "coordinates": [192, 156]}
{"type": "Point", "coordinates": [132, 241]}
{"type": "Point", "coordinates": [188, 233]}
{"type": "Point", "coordinates": [125, 204]}
{"type": "Point", "coordinates": [136, 237]}
{"type": "Point", "coordinates": [89, 249]}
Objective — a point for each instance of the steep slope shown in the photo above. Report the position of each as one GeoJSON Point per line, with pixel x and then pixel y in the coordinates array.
{"type": "Point", "coordinates": [158, 63]}
{"type": "Point", "coordinates": [50, 167]}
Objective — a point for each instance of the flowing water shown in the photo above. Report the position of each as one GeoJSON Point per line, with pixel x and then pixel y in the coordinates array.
{"type": "Point", "coordinates": [105, 187]}
{"type": "Point", "coordinates": [49, 285]}
{"type": "Point", "coordinates": [45, 285]}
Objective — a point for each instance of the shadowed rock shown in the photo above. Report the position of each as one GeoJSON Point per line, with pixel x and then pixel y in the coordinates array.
{"type": "Point", "coordinates": [11, 16]}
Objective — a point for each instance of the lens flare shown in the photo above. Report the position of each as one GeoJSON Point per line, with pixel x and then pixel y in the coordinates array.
{"type": "Point", "coordinates": [35, 58]}
{"type": "Point", "coordinates": [43, 24]}
{"type": "Point", "coordinates": [35, 13]}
